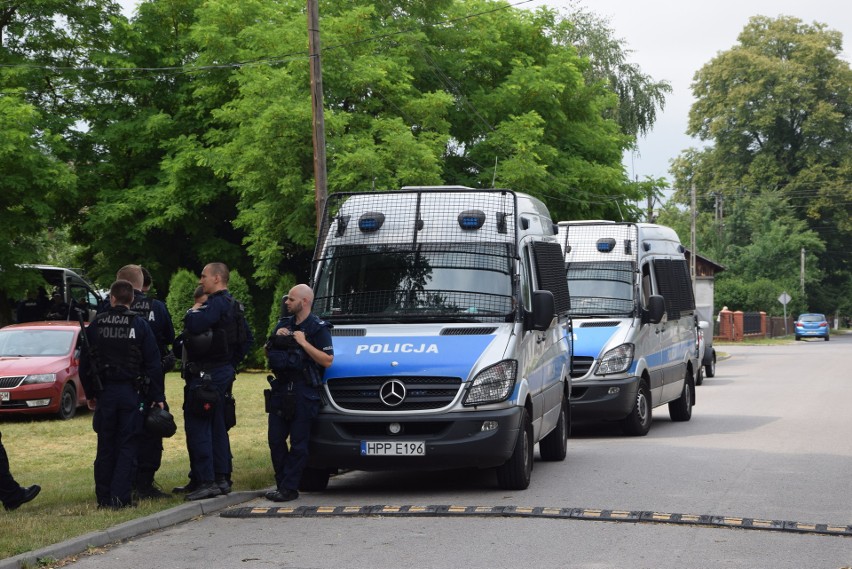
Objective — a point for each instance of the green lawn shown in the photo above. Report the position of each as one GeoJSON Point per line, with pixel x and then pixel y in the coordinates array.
{"type": "Point", "coordinates": [58, 455]}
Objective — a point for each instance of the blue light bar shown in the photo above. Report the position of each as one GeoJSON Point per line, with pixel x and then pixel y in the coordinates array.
{"type": "Point", "coordinates": [371, 221]}
{"type": "Point", "coordinates": [606, 244]}
{"type": "Point", "coordinates": [471, 219]}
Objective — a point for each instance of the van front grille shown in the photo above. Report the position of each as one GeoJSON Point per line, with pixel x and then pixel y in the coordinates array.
{"type": "Point", "coordinates": [420, 393]}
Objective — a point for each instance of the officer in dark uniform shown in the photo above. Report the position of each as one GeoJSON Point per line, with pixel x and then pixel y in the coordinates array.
{"type": "Point", "coordinates": [199, 298]}
{"type": "Point", "coordinates": [217, 338]}
{"type": "Point", "coordinates": [299, 350]}
{"type": "Point", "coordinates": [157, 315]}
{"type": "Point", "coordinates": [12, 494]}
{"type": "Point", "coordinates": [122, 351]}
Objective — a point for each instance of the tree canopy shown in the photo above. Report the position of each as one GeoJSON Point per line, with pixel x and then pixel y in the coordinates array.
{"type": "Point", "coordinates": [183, 135]}
{"type": "Point", "coordinates": [776, 109]}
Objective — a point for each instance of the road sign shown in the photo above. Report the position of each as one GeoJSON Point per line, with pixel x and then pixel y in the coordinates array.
{"type": "Point", "coordinates": [784, 298]}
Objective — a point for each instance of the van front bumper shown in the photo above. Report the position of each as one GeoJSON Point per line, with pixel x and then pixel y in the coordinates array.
{"type": "Point", "coordinates": [452, 440]}
{"type": "Point", "coordinates": [605, 400]}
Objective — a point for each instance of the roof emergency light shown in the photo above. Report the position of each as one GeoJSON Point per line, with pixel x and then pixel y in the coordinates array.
{"type": "Point", "coordinates": [606, 244]}
{"type": "Point", "coordinates": [471, 219]}
{"type": "Point", "coordinates": [371, 221]}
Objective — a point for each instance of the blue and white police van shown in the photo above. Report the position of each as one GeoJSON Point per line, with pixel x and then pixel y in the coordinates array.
{"type": "Point", "coordinates": [632, 315]}
{"type": "Point", "coordinates": [447, 305]}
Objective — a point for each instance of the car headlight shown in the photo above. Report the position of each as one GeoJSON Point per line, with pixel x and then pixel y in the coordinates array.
{"type": "Point", "coordinates": [617, 360]}
{"type": "Point", "coordinates": [39, 378]}
{"type": "Point", "coordinates": [493, 384]}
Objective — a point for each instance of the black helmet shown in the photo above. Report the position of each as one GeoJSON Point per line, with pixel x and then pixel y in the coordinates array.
{"type": "Point", "coordinates": [198, 345]}
{"type": "Point", "coordinates": [160, 422]}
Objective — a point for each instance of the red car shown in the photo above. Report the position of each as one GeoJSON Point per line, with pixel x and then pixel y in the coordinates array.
{"type": "Point", "coordinates": [38, 369]}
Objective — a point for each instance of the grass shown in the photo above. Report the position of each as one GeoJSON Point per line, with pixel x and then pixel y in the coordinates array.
{"type": "Point", "coordinates": [59, 456]}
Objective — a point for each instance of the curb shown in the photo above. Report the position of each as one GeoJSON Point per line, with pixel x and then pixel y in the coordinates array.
{"type": "Point", "coordinates": [127, 530]}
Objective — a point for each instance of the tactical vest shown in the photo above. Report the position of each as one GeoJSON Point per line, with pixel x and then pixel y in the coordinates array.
{"type": "Point", "coordinates": [286, 356]}
{"type": "Point", "coordinates": [229, 335]}
{"type": "Point", "coordinates": [116, 351]}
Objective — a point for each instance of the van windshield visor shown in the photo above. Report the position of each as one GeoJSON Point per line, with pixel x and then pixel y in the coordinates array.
{"type": "Point", "coordinates": [455, 282]}
{"type": "Point", "coordinates": [601, 288]}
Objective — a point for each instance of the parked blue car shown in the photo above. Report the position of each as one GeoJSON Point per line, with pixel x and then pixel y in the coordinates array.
{"type": "Point", "coordinates": [812, 326]}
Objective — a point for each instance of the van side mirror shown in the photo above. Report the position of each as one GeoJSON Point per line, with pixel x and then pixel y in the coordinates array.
{"type": "Point", "coordinates": [543, 311]}
{"type": "Point", "coordinates": [656, 309]}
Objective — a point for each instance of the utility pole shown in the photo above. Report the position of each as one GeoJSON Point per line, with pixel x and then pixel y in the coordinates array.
{"type": "Point", "coordinates": [802, 273]}
{"type": "Point", "coordinates": [318, 117]}
{"type": "Point", "coordinates": [692, 247]}
{"type": "Point", "coordinates": [650, 202]}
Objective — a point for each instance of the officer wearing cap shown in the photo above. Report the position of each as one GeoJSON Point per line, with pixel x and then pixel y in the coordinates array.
{"type": "Point", "coordinates": [217, 339]}
{"type": "Point", "coordinates": [122, 351]}
{"type": "Point", "coordinates": [157, 315]}
{"type": "Point", "coordinates": [299, 350]}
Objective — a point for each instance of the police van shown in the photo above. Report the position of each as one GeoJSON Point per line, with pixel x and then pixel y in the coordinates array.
{"type": "Point", "coordinates": [446, 305]}
{"type": "Point", "coordinates": [632, 314]}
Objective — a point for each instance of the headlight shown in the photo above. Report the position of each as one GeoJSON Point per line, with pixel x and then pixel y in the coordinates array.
{"type": "Point", "coordinates": [493, 384]}
{"type": "Point", "coordinates": [617, 360]}
{"type": "Point", "coordinates": [39, 378]}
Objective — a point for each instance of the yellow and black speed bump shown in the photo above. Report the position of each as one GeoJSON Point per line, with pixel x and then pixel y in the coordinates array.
{"type": "Point", "coordinates": [537, 512]}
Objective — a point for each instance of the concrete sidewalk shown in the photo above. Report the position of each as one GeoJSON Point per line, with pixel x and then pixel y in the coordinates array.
{"type": "Point", "coordinates": [127, 530]}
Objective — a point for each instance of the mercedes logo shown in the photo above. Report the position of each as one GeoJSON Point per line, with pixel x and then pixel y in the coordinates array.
{"type": "Point", "coordinates": [392, 392]}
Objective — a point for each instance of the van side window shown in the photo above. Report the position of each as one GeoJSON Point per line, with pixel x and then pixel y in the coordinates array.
{"type": "Point", "coordinates": [526, 276]}
{"type": "Point", "coordinates": [675, 284]}
{"type": "Point", "coordinates": [647, 286]}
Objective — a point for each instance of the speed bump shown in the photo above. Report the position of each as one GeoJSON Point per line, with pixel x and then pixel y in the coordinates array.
{"type": "Point", "coordinates": [456, 510]}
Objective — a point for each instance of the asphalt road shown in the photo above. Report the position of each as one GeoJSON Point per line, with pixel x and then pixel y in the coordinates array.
{"type": "Point", "coordinates": [770, 440]}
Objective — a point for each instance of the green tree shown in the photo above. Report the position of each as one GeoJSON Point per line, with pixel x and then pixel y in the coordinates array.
{"type": "Point", "coordinates": [639, 94]}
{"type": "Point", "coordinates": [40, 93]}
{"type": "Point", "coordinates": [777, 108]}
{"type": "Point", "coordinates": [182, 287]}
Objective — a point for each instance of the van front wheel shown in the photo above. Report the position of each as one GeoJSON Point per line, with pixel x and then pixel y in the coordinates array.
{"type": "Point", "coordinates": [554, 447]}
{"type": "Point", "coordinates": [681, 408]}
{"type": "Point", "coordinates": [638, 422]}
{"type": "Point", "coordinates": [516, 472]}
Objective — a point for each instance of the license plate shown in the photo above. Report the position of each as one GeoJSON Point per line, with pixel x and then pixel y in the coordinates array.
{"type": "Point", "coordinates": [4, 395]}
{"type": "Point", "coordinates": [393, 448]}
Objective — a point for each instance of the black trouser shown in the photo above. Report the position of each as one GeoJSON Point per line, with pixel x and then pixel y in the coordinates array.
{"type": "Point", "coordinates": [118, 423]}
{"type": "Point", "coordinates": [149, 459]}
{"type": "Point", "coordinates": [10, 491]}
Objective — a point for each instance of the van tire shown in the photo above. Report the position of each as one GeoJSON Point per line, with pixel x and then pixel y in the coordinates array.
{"type": "Point", "coordinates": [710, 369]}
{"type": "Point", "coordinates": [638, 422]}
{"type": "Point", "coordinates": [314, 479]}
{"type": "Point", "coordinates": [516, 472]}
{"type": "Point", "coordinates": [554, 446]}
{"type": "Point", "coordinates": [699, 377]}
{"type": "Point", "coordinates": [681, 408]}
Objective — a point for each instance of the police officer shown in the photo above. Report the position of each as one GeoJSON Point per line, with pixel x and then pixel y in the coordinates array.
{"type": "Point", "coordinates": [12, 494]}
{"type": "Point", "coordinates": [157, 315]}
{"type": "Point", "coordinates": [198, 299]}
{"type": "Point", "coordinates": [299, 350]}
{"type": "Point", "coordinates": [122, 351]}
{"type": "Point", "coordinates": [217, 339]}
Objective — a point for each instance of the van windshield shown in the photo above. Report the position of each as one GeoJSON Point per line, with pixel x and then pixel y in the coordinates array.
{"type": "Point", "coordinates": [459, 282]}
{"type": "Point", "coordinates": [601, 288]}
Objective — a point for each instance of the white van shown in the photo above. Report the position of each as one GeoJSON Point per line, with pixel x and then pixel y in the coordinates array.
{"type": "Point", "coordinates": [449, 352]}
{"type": "Point", "coordinates": [632, 311]}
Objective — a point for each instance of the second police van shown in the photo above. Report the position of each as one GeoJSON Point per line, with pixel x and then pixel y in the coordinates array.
{"type": "Point", "coordinates": [447, 305]}
{"type": "Point", "coordinates": [633, 326]}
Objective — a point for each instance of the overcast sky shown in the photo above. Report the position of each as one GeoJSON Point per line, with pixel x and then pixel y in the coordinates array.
{"type": "Point", "coordinates": [670, 40]}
